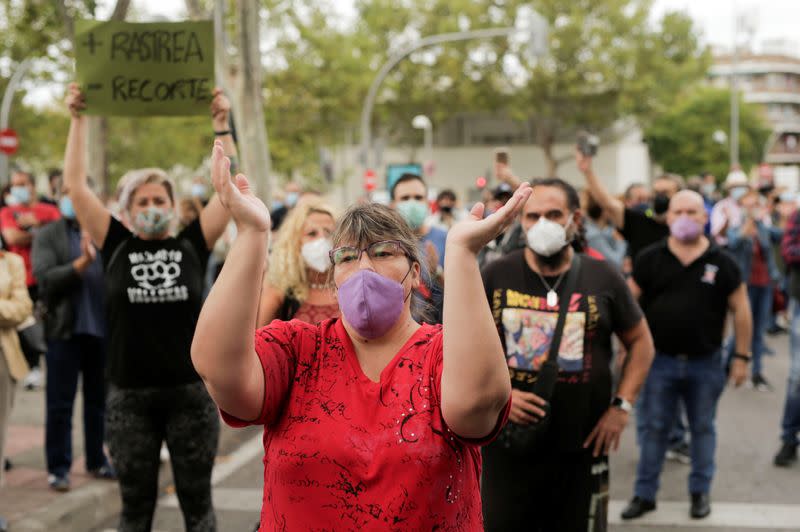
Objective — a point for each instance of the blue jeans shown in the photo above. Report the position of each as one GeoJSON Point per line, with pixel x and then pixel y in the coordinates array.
{"type": "Point", "coordinates": [791, 409]}
{"type": "Point", "coordinates": [699, 383]}
{"type": "Point", "coordinates": [761, 307]}
{"type": "Point", "coordinates": [66, 359]}
{"type": "Point", "coordinates": [677, 434]}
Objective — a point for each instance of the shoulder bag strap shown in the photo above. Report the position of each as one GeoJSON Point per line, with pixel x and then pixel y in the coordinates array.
{"type": "Point", "coordinates": [563, 305]}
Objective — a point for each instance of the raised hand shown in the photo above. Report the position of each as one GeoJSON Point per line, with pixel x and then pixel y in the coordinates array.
{"type": "Point", "coordinates": [74, 100]}
{"type": "Point", "coordinates": [247, 211]}
{"type": "Point", "coordinates": [476, 231]}
{"type": "Point", "coordinates": [220, 109]}
{"type": "Point", "coordinates": [584, 162]}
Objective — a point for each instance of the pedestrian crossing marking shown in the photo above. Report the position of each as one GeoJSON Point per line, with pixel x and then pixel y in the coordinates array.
{"type": "Point", "coordinates": [740, 515]}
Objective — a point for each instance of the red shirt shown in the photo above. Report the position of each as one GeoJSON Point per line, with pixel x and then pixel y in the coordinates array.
{"type": "Point", "coordinates": [759, 273]}
{"type": "Point", "coordinates": [342, 452]}
{"type": "Point", "coordinates": [44, 212]}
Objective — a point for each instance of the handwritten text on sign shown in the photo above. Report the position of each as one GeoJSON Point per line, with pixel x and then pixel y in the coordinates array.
{"type": "Point", "coordinates": [164, 68]}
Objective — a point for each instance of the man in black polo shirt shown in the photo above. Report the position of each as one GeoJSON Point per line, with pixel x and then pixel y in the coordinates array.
{"type": "Point", "coordinates": [686, 285]}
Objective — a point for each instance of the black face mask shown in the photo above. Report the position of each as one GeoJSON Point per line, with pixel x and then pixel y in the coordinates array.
{"type": "Point", "coordinates": [594, 212]}
{"type": "Point", "coordinates": [660, 203]}
{"type": "Point", "coordinates": [448, 209]}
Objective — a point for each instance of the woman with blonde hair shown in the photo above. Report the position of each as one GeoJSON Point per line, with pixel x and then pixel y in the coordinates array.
{"type": "Point", "coordinates": [15, 308]}
{"type": "Point", "coordinates": [296, 285]}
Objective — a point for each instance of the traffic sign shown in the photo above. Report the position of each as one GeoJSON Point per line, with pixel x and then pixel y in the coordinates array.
{"type": "Point", "coordinates": [370, 181]}
{"type": "Point", "coordinates": [9, 142]}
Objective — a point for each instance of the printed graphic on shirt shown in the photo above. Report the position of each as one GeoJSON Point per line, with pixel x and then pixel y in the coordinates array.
{"type": "Point", "coordinates": [530, 332]}
{"type": "Point", "coordinates": [710, 274]}
{"type": "Point", "coordinates": [157, 275]}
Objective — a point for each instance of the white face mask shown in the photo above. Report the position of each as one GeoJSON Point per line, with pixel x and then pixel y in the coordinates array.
{"type": "Point", "coordinates": [546, 237]}
{"type": "Point", "coordinates": [315, 254]}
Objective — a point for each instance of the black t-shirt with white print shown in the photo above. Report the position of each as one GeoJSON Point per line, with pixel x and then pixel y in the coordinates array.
{"type": "Point", "coordinates": [686, 305]}
{"type": "Point", "coordinates": [601, 305]}
{"type": "Point", "coordinates": [154, 292]}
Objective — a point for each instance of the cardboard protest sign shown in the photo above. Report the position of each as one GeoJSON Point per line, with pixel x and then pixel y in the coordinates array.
{"type": "Point", "coordinates": [145, 69]}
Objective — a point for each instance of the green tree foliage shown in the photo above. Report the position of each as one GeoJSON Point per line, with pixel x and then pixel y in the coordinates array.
{"type": "Point", "coordinates": [681, 140]}
{"type": "Point", "coordinates": [607, 61]}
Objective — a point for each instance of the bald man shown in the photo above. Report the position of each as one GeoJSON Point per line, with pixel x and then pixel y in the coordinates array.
{"type": "Point", "coordinates": [686, 285]}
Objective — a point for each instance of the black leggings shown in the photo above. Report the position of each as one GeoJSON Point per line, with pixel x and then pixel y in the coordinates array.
{"type": "Point", "coordinates": [138, 420]}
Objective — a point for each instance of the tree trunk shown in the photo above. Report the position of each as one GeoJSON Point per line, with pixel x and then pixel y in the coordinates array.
{"type": "Point", "coordinates": [546, 139]}
{"type": "Point", "coordinates": [248, 103]}
{"type": "Point", "coordinates": [97, 136]}
{"type": "Point", "coordinates": [97, 152]}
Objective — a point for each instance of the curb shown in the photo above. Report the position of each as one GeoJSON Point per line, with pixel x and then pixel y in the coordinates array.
{"type": "Point", "coordinates": [81, 509]}
{"type": "Point", "coordinates": [89, 506]}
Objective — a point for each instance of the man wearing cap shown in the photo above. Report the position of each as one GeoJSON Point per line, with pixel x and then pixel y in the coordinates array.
{"type": "Point", "coordinates": [727, 213]}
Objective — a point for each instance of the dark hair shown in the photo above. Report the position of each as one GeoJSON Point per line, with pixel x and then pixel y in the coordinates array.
{"type": "Point", "coordinates": [446, 194]}
{"type": "Point", "coordinates": [27, 174]}
{"type": "Point", "coordinates": [404, 179]}
{"type": "Point", "coordinates": [629, 190]}
{"type": "Point", "coordinates": [573, 200]}
{"type": "Point", "coordinates": [675, 179]}
{"type": "Point", "coordinates": [53, 172]}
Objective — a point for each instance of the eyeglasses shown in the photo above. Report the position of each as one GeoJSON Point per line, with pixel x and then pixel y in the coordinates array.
{"type": "Point", "coordinates": [381, 251]}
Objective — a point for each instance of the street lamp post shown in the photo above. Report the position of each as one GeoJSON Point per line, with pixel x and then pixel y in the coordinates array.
{"type": "Point", "coordinates": [538, 46]}
{"type": "Point", "coordinates": [5, 111]}
{"type": "Point", "coordinates": [424, 123]}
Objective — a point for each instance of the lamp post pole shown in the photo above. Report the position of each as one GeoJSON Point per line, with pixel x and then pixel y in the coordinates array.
{"type": "Point", "coordinates": [538, 31]}
{"type": "Point", "coordinates": [5, 111]}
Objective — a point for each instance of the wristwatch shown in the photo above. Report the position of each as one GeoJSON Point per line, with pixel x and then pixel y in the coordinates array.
{"type": "Point", "coordinates": [622, 404]}
{"type": "Point", "coordinates": [742, 356]}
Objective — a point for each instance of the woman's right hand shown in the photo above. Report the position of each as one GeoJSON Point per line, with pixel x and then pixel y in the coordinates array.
{"type": "Point", "coordinates": [75, 100]}
{"type": "Point", "coordinates": [247, 211]}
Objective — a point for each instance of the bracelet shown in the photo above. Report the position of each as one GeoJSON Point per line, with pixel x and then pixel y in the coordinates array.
{"type": "Point", "coordinates": [222, 133]}
{"type": "Point", "coordinates": [741, 357]}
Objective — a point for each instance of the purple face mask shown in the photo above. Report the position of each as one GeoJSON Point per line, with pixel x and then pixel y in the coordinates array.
{"type": "Point", "coordinates": [685, 229]}
{"type": "Point", "coordinates": [371, 303]}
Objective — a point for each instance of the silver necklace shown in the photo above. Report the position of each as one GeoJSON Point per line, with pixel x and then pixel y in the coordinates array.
{"type": "Point", "coordinates": [552, 296]}
{"type": "Point", "coordinates": [315, 286]}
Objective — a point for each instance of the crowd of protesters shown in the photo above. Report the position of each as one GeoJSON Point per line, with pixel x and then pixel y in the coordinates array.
{"type": "Point", "coordinates": [415, 365]}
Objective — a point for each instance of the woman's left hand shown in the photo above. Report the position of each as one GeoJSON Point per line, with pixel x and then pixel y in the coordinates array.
{"type": "Point", "coordinates": [475, 231]}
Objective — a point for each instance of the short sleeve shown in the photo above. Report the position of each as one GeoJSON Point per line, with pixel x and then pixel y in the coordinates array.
{"type": "Point", "coordinates": [625, 311]}
{"type": "Point", "coordinates": [117, 234]}
{"type": "Point", "coordinates": [732, 274]}
{"type": "Point", "coordinates": [437, 356]}
{"type": "Point", "coordinates": [641, 270]}
{"type": "Point", "coordinates": [278, 346]}
{"type": "Point", "coordinates": [7, 220]}
{"type": "Point", "coordinates": [193, 233]}
{"type": "Point", "coordinates": [50, 214]}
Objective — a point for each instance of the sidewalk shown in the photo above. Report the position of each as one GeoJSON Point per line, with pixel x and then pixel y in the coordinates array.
{"type": "Point", "coordinates": [26, 499]}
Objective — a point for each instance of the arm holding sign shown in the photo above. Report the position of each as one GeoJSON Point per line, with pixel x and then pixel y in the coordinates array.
{"type": "Point", "coordinates": [92, 215]}
{"type": "Point", "coordinates": [214, 217]}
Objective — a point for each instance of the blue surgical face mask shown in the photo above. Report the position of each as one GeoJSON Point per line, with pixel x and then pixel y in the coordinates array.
{"type": "Point", "coordinates": [21, 194]}
{"type": "Point", "coordinates": [291, 199]}
{"type": "Point", "coordinates": [66, 208]}
{"type": "Point", "coordinates": [413, 212]}
{"type": "Point", "coordinates": [738, 192]}
{"type": "Point", "coordinates": [199, 190]}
